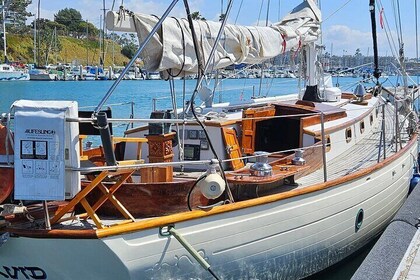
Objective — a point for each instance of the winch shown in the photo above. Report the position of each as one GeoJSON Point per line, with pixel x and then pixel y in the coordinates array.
{"type": "Point", "coordinates": [261, 168]}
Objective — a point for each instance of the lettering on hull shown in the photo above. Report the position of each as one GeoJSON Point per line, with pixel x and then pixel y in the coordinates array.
{"type": "Point", "coordinates": [22, 272]}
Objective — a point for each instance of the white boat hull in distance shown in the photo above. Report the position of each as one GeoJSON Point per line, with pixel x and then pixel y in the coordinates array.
{"type": "Point", "coordinates": [16, 76]}
{"type": "Point", "coordinates": [43, 77]}
{"type": "Point", "coordinates": [272, 237]}
{"type": "Point", "coordinates": [9, 73]}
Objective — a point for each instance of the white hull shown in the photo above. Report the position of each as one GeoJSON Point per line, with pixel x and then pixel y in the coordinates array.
{"type": "Point", "coordinates": [14, 76]}
{"type": "Point", "coordinates": [285, 239]}
{"type": "Point", "coordinates": [43, 77]}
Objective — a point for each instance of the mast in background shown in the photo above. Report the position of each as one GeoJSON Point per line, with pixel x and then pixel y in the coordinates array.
{"type": "Point", "coordinates": [35, 40]}
{"type": "Point", "coordinates": [38, 34]}
{"type": "Point", "coordinates": [4, 30]}
{"type": "Point", "coordinates": [103, 22]}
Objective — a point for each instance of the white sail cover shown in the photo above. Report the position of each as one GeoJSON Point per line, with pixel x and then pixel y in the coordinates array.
{"type": "Point", "coordinates": [173, 48]}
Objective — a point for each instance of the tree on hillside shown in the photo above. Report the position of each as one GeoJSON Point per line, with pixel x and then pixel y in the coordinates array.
{"type": "Point", "coordinates": [197, 16]}
{"type": "Point", "coordinates": [129, 45]}
{"type": "Point", "coordinates": [75, 25]}
{"type": "Point", "coordinates": [86, 29]}
{"type": "Point", "coordinates": [68, 17]}
{"type": "Point", "coordinates": [129, 50]}
{"type": "Point", "coordinates": [17, 15]}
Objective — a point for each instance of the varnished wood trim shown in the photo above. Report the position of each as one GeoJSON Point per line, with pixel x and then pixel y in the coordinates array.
{"type": "Point", "coordinates": [136, 129]}
{"type": "Point", "coordinates": [55, 233]}
{"type": "Point", "coordinates": [196, 214]}
{"type": "Point", "coordinates": [341, 126]}
{"type": "Point", "coordinates": [129, 139]}
{"type": "Point", "coordinates": [221, 124]}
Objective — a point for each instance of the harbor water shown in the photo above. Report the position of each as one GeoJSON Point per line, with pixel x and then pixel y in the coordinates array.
{"type": "Point", "coordinates": [138, 98]}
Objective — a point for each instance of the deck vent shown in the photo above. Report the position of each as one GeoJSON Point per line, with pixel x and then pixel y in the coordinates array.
{"type": "Point", "coordinates": [359, 92]}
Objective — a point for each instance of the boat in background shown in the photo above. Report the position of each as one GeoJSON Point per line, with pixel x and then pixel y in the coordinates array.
{"type": "Point", "coordinates": [275, 187]}
{"type": "Point", "coordinates": [10, 73]}
{"type": "Point", "coordinates": [42, 74]}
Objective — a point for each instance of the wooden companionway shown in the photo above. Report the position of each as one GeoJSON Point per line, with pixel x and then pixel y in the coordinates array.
{"type": "Point", "coordinates": [232, 148]}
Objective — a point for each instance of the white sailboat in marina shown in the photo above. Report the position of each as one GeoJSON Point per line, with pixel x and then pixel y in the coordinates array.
{"type": "Point", "coordinates": [8, 72]}
{"type": "Point", "coordinates": [275, 187]}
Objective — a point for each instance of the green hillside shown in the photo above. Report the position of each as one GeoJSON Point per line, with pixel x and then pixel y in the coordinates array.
{"type": "Point", "coordinates": [21, 48]}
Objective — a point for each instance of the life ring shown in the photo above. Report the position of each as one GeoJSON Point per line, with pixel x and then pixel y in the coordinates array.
{"type": "Point", "coordinates": [6, 174]}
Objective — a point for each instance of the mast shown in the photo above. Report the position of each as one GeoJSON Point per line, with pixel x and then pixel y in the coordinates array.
{"type": "Point", "coordinates": [38, 35]}
{"type": "Point", "coordinates": [87, 42]}
{"type": "Point", "coordinates": [102, 62]}
{"type": "Point", "coordinates": [311, 57]}
{"type": "Point", "coordinates": [376, 72]}
{"type": "Point", "coordinates": [35, 40]}
{"type": "Point", "coordinates": [4, 30]}
{"type": "Point", "coordinates": [101, 34]}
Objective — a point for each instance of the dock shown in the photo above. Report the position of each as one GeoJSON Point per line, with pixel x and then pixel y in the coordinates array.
{"type": "Point", "coordinates": [396, 254]}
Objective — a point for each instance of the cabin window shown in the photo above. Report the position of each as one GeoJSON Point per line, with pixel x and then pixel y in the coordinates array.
{"type": "Point", "coordinates": [371, 119]}
{"type": "Point", "coordinates": [318, 141]}
{"type": "Point", "coordinates": [348, 134]}
{"type": "Point", "coordinates": [362, 126]}
{"type": "Point", "coordinates": [377, 111]}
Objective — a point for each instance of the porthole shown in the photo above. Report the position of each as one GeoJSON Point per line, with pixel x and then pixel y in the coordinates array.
{"type": "Point", "coordinates": [348, 135]}
{"type": "Point", "coordinates": [359, 220]}
{"type": "Point", "coordinates": [327, 142]}
{"type": "Point", "coordinates": [362, 127]}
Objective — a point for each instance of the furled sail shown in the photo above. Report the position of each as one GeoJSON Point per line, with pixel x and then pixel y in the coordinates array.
{"type": "Point", "coordinates": [172, 47]}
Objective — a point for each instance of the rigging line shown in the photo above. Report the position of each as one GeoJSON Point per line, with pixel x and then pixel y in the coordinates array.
{"type": "Point", "coordinates": [320, 26]}
{"type": "Point", "coordinates": [401, 51]}
{"type": "Point", "coordinates": [390, 38]}
{"type": "Point", "coordinates": [394, 10]}
{"type": "Point", "coordinates": [417, 37]}
{"type": "Point", "coordinates": [198, 85]}
{"type": "Point", "coordinates": [268, 13]}
{"type": "Point", "coordinates": [399, 22]}
{"type": "Point", "coordinates": [417, 47]}
{"type": "Point", "coordinates": [336, 11]}
{"type": "Point", "coordinates": [239, 11]}
{"type": "Point", "coordinates": [259, 14]}
{"type": "Point", "coordinates": [113, 4]}
{"type": "Point", "coordinates": [279, 11]}
{"type": "Point", "coordinates": [198, 54]}
{"type": "Point", "coordinates": [262, 63]}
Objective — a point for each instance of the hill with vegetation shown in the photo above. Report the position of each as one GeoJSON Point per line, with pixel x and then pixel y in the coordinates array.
{"type": "Point", "coordinates": [66, 39]}
{"type": "Point", "coordinates": [72, 50]}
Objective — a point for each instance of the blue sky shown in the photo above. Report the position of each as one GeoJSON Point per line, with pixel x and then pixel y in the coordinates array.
{"type": "Point", "coordinates": [346, 25]}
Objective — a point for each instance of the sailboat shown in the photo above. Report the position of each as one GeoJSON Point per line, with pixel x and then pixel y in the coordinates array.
{"type": "Point", "coordinates": [9, 72]}
{"type": "Point", "coordinates": [271, 188]}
